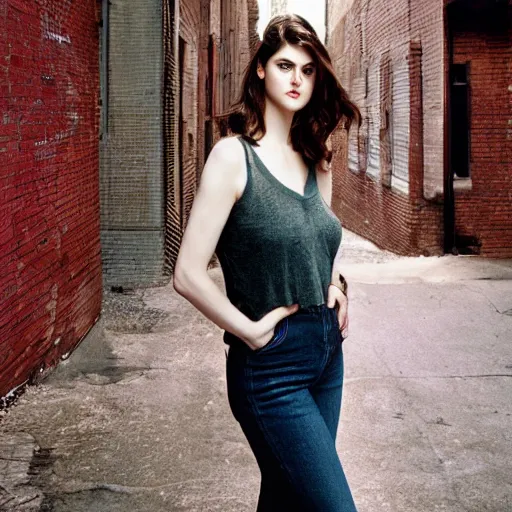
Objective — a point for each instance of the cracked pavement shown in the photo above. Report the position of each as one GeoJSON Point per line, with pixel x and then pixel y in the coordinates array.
{"type": "Point", "coordinates": [138, 419]}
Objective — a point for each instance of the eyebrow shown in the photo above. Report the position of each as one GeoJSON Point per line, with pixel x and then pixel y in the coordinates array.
{"type": "Point", "coordinates": [311, 63]}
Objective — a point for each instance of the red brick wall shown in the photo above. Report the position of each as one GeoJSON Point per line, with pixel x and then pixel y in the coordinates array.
{"type": "Point", "coordinates": [366, 38]}
{"type": "Point", "coordinates": [485, 211]}
{"type": "Point", "coordinates": [49, 198]}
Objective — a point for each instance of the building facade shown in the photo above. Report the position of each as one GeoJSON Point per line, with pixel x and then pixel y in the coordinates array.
{"type": "Point", "coordinates": [428, 171]}
{"type": "Point", "coordinates": [108, 115]}
{"type": "Point", "coordinates": [50, 217]}
{"type": "Point", "coordinates": [171, 68]}
{"type": "Point", "coordinates": [278, 7]}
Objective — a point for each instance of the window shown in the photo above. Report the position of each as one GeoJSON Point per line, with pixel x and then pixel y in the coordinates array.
{"type": "Point", "coordinates": [460, 110]}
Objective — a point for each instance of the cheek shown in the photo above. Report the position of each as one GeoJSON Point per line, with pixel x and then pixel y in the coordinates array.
{"type": "Point", "coordinates": [277, 79]}
{"type": "Point", "coordinates": [275, 84]}
{"type": "Point", "coordinates": [308, 92]}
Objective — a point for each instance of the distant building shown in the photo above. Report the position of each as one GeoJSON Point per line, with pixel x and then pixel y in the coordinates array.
{"type": "Point", "coordinates": [278, 7]}
{"type": "Point", "coordinates": [429, 170]}
{"type": "Point", "coordinates": [165, 88]}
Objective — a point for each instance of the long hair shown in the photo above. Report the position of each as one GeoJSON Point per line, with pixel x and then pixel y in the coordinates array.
{"type": "Point", "coordinates": [329, 103]}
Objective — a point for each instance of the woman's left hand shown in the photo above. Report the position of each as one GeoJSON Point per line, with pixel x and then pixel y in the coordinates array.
{"type": "Point", "coordinates": [337, 299]}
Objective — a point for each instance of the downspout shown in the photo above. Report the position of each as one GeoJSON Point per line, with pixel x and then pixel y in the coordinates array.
{"type": "Point", "coordinates": [104, 67]}
{"type": "Point", "coordinates": [449, 200]}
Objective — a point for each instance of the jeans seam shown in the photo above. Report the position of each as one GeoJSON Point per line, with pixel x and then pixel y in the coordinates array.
{"type": "Point", "coordinates": [327, 351]}
{"type": "Point", "coordinates": [265, 432]}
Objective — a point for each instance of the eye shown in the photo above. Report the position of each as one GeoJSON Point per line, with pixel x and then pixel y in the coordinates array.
{"type": "Point", "coordinates": [283, 65]}
{"type": "Point", "coordinates": [309, 71]}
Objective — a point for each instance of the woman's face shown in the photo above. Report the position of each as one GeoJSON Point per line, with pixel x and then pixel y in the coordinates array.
{"type": "Point", "coordinates": [289, 69]}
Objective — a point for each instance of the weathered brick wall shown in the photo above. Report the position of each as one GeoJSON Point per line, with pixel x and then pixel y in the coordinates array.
{"type": "Point", "coordinates": [194, 28]}
{"type": "Point", "coordinates": [216, 39]}
{"type": "Point", "coordinates": [233, 26]}
{"type": "Point", "coordinates": [170, 135]}
{"type": "Point", "coordinates": [49, 208]}
{"type": "Point", "coordinates": [427, 26]}
{"type": "Point", "coordinates": [388, 168]}
{"type": "Point", "coordinates": [252, 28]}
{"type": "Point", "coordinates": [131, 177]}
{"type": "Point", "coordinates": [485, 211]}
{"type": "Point", "coordinates": [235, 49]}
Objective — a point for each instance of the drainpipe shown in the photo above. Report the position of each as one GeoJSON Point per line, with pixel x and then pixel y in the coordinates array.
{"type": "Point", "coordinates": [449, 200]}
{"type": "Point", "coordinates": [104, 67]}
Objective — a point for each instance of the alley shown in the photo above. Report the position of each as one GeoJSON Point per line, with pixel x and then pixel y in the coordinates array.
{"type": "Point", "coordinates": [138, 419]}
{"type": "Point", "coordinates": [112, 386]}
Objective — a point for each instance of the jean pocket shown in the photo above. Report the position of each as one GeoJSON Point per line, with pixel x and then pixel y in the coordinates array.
{"type": "Point", "coordinates": [337, 326]}
{"type": "Point", "coordinates": [279, 336]}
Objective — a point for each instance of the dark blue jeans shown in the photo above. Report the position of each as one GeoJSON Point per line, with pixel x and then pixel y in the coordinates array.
{"type": "Point", "coordinates": [286, 396]}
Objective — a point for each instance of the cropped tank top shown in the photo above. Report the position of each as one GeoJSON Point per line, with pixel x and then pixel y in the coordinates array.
{"type": "Point", "coordinates": [277, 247]}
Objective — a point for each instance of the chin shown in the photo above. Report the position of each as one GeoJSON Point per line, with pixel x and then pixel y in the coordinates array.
{"type": "Point", "coordinates": [295, 106]}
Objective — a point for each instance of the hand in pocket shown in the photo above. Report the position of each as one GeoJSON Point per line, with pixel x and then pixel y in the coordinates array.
{"type": "Point", "coordinates": [264, 329]}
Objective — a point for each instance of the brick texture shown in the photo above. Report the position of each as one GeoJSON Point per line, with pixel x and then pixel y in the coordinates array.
{"type": "Point", "coordinates": [385, 172]}
{"type": "Point", "coordinates": [389, 175]}
{"type": "Point", "coordinates": [49, 209]}
{"type": "Point", "coordinates": [485, 211]}
{"type": "Point", "coordinates": [216, 40]}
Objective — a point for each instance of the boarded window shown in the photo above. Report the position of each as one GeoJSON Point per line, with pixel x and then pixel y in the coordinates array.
{"type": "Point", "coordinates": [386, 107]}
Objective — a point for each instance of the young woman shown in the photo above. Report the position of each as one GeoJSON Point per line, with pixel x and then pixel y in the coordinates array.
{"type": "Point", "coordinates": [262, 206]}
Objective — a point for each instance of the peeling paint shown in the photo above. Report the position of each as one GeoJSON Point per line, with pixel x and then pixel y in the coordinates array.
{"type": "Point", "coordinates": [57, 37]}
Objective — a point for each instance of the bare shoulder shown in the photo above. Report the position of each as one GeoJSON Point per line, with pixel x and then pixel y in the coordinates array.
{"type": "Point", "coordinates": [228, 150]}
{"type": "Point", "coordinates": [215, 197]}
{"type": "Point", "coordinates": [226, 163]}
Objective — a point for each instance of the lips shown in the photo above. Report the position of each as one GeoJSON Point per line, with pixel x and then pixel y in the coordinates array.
{"type": "Point", "coordinates": [293, 94]}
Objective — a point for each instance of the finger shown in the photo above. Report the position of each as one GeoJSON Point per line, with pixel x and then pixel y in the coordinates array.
{"type": "Point", "coordinates": [331, 299]}
{"type": "Point", "coordinates": [344, 321]}
{"type": "Point", "coordinates": [344, 327]}
{"type": "Point", "coordinates": [341, 315]}
{"type": "Point", "coordinates": [294, 307]}
{"type": "Point", "coordinates": [289, 310]}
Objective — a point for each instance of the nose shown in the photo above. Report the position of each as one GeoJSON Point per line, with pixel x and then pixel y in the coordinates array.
{"type": "Point", "coordinates": [296, 80]}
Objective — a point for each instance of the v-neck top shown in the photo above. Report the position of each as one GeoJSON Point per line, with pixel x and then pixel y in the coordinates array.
{"type": "Point", "coordinates": [309, 188]}
{"type": "Point", "coordinates": [277, 247]}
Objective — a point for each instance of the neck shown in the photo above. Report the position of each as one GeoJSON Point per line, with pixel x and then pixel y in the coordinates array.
{"type": "Point", "coordinates": [278, 124]}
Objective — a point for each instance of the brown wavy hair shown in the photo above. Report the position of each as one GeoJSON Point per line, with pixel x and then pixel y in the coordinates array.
{"type": "Point", "coordinates": [329, 103]}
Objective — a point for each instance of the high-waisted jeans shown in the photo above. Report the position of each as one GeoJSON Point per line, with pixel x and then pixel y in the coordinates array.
{"type": "Point", "coordinates": [286, 396]}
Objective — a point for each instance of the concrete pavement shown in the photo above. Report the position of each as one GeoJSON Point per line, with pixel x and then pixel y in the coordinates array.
{"type": "Point", "coordinates": [138, 419]}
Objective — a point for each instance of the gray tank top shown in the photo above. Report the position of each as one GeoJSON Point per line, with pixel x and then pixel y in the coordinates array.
{"type": "Point", "coordinates": [277, 247]}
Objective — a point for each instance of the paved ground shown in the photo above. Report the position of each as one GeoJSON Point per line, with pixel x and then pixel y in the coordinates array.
{"type": "Point", "coordinates": [138, 419]}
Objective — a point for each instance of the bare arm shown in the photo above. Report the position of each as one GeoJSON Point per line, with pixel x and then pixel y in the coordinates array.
{"type": "Point", "coordinates": [335, 295]}
{"type": "Point", "coordinates": [215, 197]}
{"type": "Point", "coordinates": [212, 205]}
